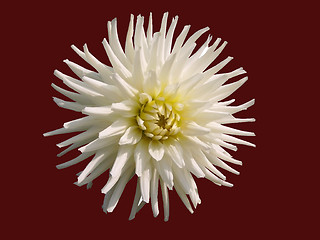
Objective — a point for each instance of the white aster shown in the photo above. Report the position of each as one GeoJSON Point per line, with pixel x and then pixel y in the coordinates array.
{"type": "Point", "coordinates": [156, 113]}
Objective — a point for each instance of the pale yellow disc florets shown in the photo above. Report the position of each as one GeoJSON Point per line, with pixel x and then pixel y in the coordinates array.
{"type": "Point", "coordinates": [157, 118]}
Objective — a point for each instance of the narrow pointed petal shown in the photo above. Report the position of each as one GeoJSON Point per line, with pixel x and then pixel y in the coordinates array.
{"type": "Point", "coordinates": [58, 131]}
{"type": "Point", "coordinates": [232, 139]}
{"type": "Point", "coordinates": [118, 190]}
{"type": "Point", "coordinates": [124, 153]}
{"type": "Point", "coordinates": [216, 127]}
{"type": "Point", "coordinates": [81, 71]}
{"type": "Point", "coordinates": [98, 158]}
{"type": "Point", "coordinates": [99, 143]}
{"type": "Point", "coordinates": [150, 30]}
{"type": "Point", "coordinates": [131, 136]}
{"type": "Point", "coordinates": [80, 158]}
{"type": "Point", "coordinates": [103, 166]}
{"type": "Point", "coordinates": [72, 95]}
{"type": "Point", "coordinates": [174, 150]}
{"type": "Point", "coordinates": [193, 129]}
{"type": "Point", "coordinates": [115, 128]}
{"type": "Point", "coordinates": [115, 43]}
{"type": "Point", "coordinates": [129, 49]}
{"type": "Point", "coordinates": [141, 156]}
{"type": "Point", "coordinates": [135, 204]}
{"type": "Point", "coordinates": [145, 183]}
{"type": "Point", "coordinates": [80, 123]}
{"type": "Point", "coordinates": [93, 131]}
{"type": "Point", "coordinates": [156, 150]}
{"type": "Point", "coordinates": [183, 197]}
{"type": "Point", "coordinates": [68, 105]}
{"type": "Point", "coordinates": [103, 111]}
{"type": "Point", "coordinates": [116, 63]}
{"type": "Point", "coordinates": [165, 197]}
{"type": "Point", "coordinates": [180, 39]}
{"type": "Point", "coordinates": [106, 200]}
{"type": "Point", "coordinates": [164, 169]}
{"type": "Point", "coordinates": [154, 192]}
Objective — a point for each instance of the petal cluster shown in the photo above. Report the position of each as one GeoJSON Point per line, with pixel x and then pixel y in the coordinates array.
{"type": "Point", "coordinates": [157, 112]}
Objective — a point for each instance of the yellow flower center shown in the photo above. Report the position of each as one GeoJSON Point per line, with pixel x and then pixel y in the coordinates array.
{"type": "Point", "coordinates": [157, 118]}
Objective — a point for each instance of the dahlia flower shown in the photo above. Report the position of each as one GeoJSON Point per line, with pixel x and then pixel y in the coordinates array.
{"type": "Point", "coordinates": [156, 113]}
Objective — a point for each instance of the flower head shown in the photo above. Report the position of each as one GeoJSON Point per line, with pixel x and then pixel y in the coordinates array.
{"type": "Point", "coordinates": [156, 113]}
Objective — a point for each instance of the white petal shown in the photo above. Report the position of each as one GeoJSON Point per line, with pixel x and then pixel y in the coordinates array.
{"type": "Point", "coordinates": [195, 36]}
{"type": "Point", "coordinates": [183, 197]}
{"type": "Point", "coordinates": [123, 86]}
{"type": "Point", "coordinates": [175, 151]}
{"type": "Point", "coordinates": [73, 146]}
{"type": "Point", "coordinates": [156, 150]}
{"type": "Point", "coordinates": [81, 71]}
{"type": "Point", "coordinates": [109, 92]}
{"type": "Point", "coordinates": [162, 33]}
{"type": "Point", "coordinates": [236, 140]}
{"type": "Point", "coordinates": [116, 128]}
{"type": "Point", "coordinates": [145, 183]}
{"type": "Point", "coordinates": [140, 40]}
{"type": "Point", "coordinates": [98, 111]}
{"type": "Point", "coordinates": [181, 177]}
{"type": "Point", "coordinates": [149, 30]}
{"type": "Point", "coordinates": [216, 127]}
{"type": "Point", "coordinates": [116, 63]}
{"type": "Point", "coordinates": [193, 129]}
{"type": "Point", "coordinates": [226, 90]}
{"type": "Point", "coordinates": [216, 161]}
{"type": "Point", "coordinates": [129, 49]}
{"type": "Point", "coordinates": [190, 83]}
{"type": "Point", "coordinates": [210, 72]}
{"type": "Point", "coordinates": [80, 123]}
{"type": "Point", "coordinates": [202, 159]}
{"type": "Point", "coordinates": [131, 136]}
{"type": "Point", "coordinates": [115, 43]}
{"type": "Point", "coordinates": [126, 108]}
{"type": "Point", "coordinates": [141, 156]}
{"type": "Point", "coordinates": [80, 158]}
{"type": "Point", "coordinates": [72, 95]}
{"type": "Point", "coordinates": [210, 176]}
{"type": "Point", "coordinates": [165, 72]}
{"type": "Point", "coordinates": [227, 158]}
{"type": "Point", "coordinates": [113, 179]}
{"type": "Point", "coordinates": [165, 197]}
{"type": "Point", "coordinates": [106, 200]}
{"type": "Point", "coordinates": [103, 69]}
{"type": "Point", "coordinates": [93, 131]}
{"type": "Point", "coordinates": [151, 83]}
{"type": "Point", "coordinates": [104, 166]}
{"type": "Point", "coordinates": [169, 36]}
{"type": "Point", "coordinates": [99, 143]}
{"type": "Point", "coordinates": [139, 67]}
{"type": "Point", "coordinates": [180, 39]}
{"type": "Point", "coordinates": [68, 105]}
{"type": "Point", "coordinates": [119, 189]}
{"type": "Point", "coordinates": [205, 90]}
{"type": "Point", "coordinates": [124, 153]}
{"type": "Point", "coordinates": [191, 163]}
{"type": "Point", "coordinates": [203, 62]}
{"type": "Point", "coordinates": [165, 171]}
{"type": "Point", "coordinates": [154, 192]}
{"type": "Point", "coordinates": [135, 204]}
{"type": "Point", "coordinates": [58, 131]}
{"type": "Point", "coordinates": [235, 109]}
{"type": "Point", "coordinates": [98, 158]}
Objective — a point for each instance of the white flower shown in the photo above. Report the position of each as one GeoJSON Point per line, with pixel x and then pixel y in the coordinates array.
{"type": "Point", "coordinates": [156, 113]}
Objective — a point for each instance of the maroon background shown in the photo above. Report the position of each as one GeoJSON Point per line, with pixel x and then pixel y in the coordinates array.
{"type": "Point", "coordinates": [272, 198]}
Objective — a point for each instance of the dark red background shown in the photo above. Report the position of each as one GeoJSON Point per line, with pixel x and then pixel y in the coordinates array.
{"type": "Point", "coordinates": [272, 197]}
